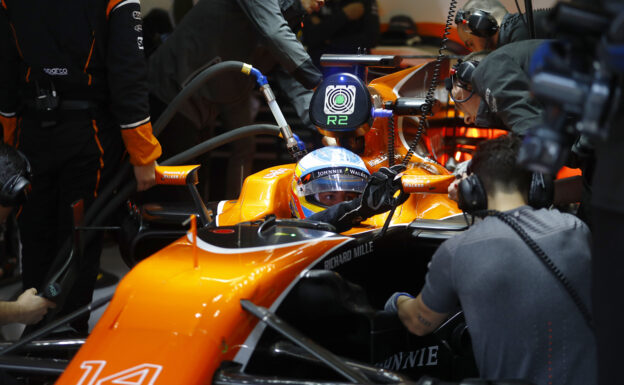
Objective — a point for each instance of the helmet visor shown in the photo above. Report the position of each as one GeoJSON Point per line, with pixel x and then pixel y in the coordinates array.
{"type": "Point", "coordinates": [335, 179]}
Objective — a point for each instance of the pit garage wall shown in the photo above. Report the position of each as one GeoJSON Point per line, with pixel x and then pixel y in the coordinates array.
{"type": "Point", "coordinates": [419, 10]}
{"type": "Point", "coordinates": [436, 11]}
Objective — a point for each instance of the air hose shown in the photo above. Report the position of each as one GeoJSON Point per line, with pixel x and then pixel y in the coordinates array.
{"type": "Point", "coordinates": [101, 216]}
{"type": "Point", "coordinates": [190, 89]}
{"type": "Point", "coordinates": [113, 196]}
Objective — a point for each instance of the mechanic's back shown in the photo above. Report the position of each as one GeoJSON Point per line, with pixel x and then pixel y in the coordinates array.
{"type": "Point", "coordinates": [522, 321]}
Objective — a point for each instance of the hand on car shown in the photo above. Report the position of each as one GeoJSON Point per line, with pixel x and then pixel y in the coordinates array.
{"type": "Point", "coordinates": [353, 11]}
{"type": "Point", "coordinates": [452, 190]}
{"type": "Point", "coordinates": [312, 5]}
{"type": "Point", "coordinates": [145, 176]}
{"type": "Point", "coordinates": [378, 196]}
{"type": "Point", "coordinates": [31, 308]}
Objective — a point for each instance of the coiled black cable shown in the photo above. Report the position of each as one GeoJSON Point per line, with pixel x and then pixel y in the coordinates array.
{"type": "Point", "coordinates": [391, 141]}
{"type": "Point", "coordinates": [530, 242]}
{"type": "Point", "coordinates": [429, 100]}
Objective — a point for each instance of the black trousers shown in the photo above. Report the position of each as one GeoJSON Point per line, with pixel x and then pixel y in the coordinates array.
{"type": "Point", "coordinates": [70, 161]}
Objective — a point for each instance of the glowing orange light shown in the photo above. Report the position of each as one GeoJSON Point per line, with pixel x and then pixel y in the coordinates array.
{"type": "Point", "coordinates": [473, 133]}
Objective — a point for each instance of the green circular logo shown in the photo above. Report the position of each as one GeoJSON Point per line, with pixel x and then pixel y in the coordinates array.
{"type": "Point", "coordinates": [340, 99]}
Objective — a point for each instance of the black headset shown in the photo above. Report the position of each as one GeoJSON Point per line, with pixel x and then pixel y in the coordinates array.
{"type": "Point", "coordinates": [472, 197]}
{"type": "Point", "coordinates": [480, 22]}
{"type": "Point", "coordinates": [15, 190]}
{"type": "Point", "coordinates": [461, 74]}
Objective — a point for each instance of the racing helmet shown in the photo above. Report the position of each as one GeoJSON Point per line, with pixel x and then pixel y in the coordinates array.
{"type": "Point", "coordinates": [327, 169]}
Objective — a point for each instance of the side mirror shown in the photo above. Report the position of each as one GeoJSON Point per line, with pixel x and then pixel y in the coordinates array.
{"type": "Point", "coordinates": [177, 175]}
{"type": "Point", "coordinates": [426, 183]}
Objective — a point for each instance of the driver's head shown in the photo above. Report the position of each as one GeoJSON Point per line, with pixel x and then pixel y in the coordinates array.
{"type": "Point", "coordinates": [15, 177]}
{"type": "Point", "coordinates": [325, 177]}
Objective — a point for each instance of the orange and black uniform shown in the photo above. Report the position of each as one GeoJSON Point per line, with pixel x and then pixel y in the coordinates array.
{"type": "Point", "coordinates": [73, 91]}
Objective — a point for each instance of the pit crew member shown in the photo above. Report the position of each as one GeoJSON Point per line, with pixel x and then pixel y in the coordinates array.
{"type": "Point", "coordinates": [73, 94]}
{"type": "Point", "coordinates": [14, 184]}
{"type": "Point", "coordinates": [523, 323]}
{"type": "Point", "coordinates": [486, 25]}
{"type": "Point", "coordinates": [342, 27]}
{"type": "Point", "coordinates": [258, 32]}
{"type": "Point", "coordinates": [493, 90]}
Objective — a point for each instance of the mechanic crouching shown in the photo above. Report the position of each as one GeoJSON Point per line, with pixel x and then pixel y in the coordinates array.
{"type": "Point", "coordinates": [487, 25]}
{"type": "Point", "coordinates": [526, 321]}
{"type": "Point", "coordinates": [493, 90]}
{"type": "Point", "coordinates": [73, 93]}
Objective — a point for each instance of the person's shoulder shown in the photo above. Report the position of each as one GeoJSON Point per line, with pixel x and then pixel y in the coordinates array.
{"type": "Point", "coordinates": [560, 220]}
{"type": "Point", "coordinates": [518, 48]}
{"type": "Point", "coordinates": [477, 232]}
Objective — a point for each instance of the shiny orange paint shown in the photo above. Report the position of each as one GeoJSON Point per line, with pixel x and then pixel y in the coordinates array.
{"type": "Point", "coordinates": [266, 192]}
{"type": "Point", "coordinates": [263, 193]}
{"type": "Point", "coordinates": [426, 183]}
{"type": "Point", "coordinates": [176, 175]}
{"type": "Point", "coordinates": [185, 319]}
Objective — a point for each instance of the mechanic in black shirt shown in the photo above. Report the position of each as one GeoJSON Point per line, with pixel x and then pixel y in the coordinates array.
{"type": "Point", "coordinates": [258, 32]}
{"type": "Point", "coordinates": [492, 89]}
{"type": "Point", "coordinates": [486, 25]}
{"type": "Point", "coordinates": [73, 92]}
{"type": "Point", "coordinates": [342, 27]}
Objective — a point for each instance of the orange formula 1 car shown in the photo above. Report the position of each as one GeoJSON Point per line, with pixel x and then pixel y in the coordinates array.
{"type": "Point", "coordinates": [250, 295]}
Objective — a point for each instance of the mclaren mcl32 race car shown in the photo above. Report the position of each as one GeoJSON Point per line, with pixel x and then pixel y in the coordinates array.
{"type": "Point", "coordinates": [249, 295]}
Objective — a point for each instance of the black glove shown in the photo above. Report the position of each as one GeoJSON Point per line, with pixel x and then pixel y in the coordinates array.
{"type": "Point", "coordinates": [378, 196]}
{"type": "Point", "coordinates": [391, 304]}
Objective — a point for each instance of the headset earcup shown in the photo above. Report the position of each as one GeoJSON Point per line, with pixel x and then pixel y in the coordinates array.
{"type": "Point", "coordinates": [482, 24]}
{"type": "Point", "coordinates": [471, 194]}
{"type": "Point", "coordinates": [14, 191]}
{"type": "Point", "coordinates": [541, 190]}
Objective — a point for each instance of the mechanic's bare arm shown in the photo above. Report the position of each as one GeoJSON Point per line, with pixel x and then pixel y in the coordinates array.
{"type": "Point", "coordinates": [417, 317]}
{"type": "Point", "coordinates": [28, 308]}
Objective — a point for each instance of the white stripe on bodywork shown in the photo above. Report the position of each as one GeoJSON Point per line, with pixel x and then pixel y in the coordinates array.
{"type": "Point", "coordinates": [219, 211]}
{"type": "Point", "coordinates": [246, 350]}
{"type": "Point", "coordinates": [230, 250]}
{"type": "Point", "coordinates": [7, 114]}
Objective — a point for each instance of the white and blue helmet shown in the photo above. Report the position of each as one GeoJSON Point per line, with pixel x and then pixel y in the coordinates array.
{"type": "Point", "coordinates": [326, 169]}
